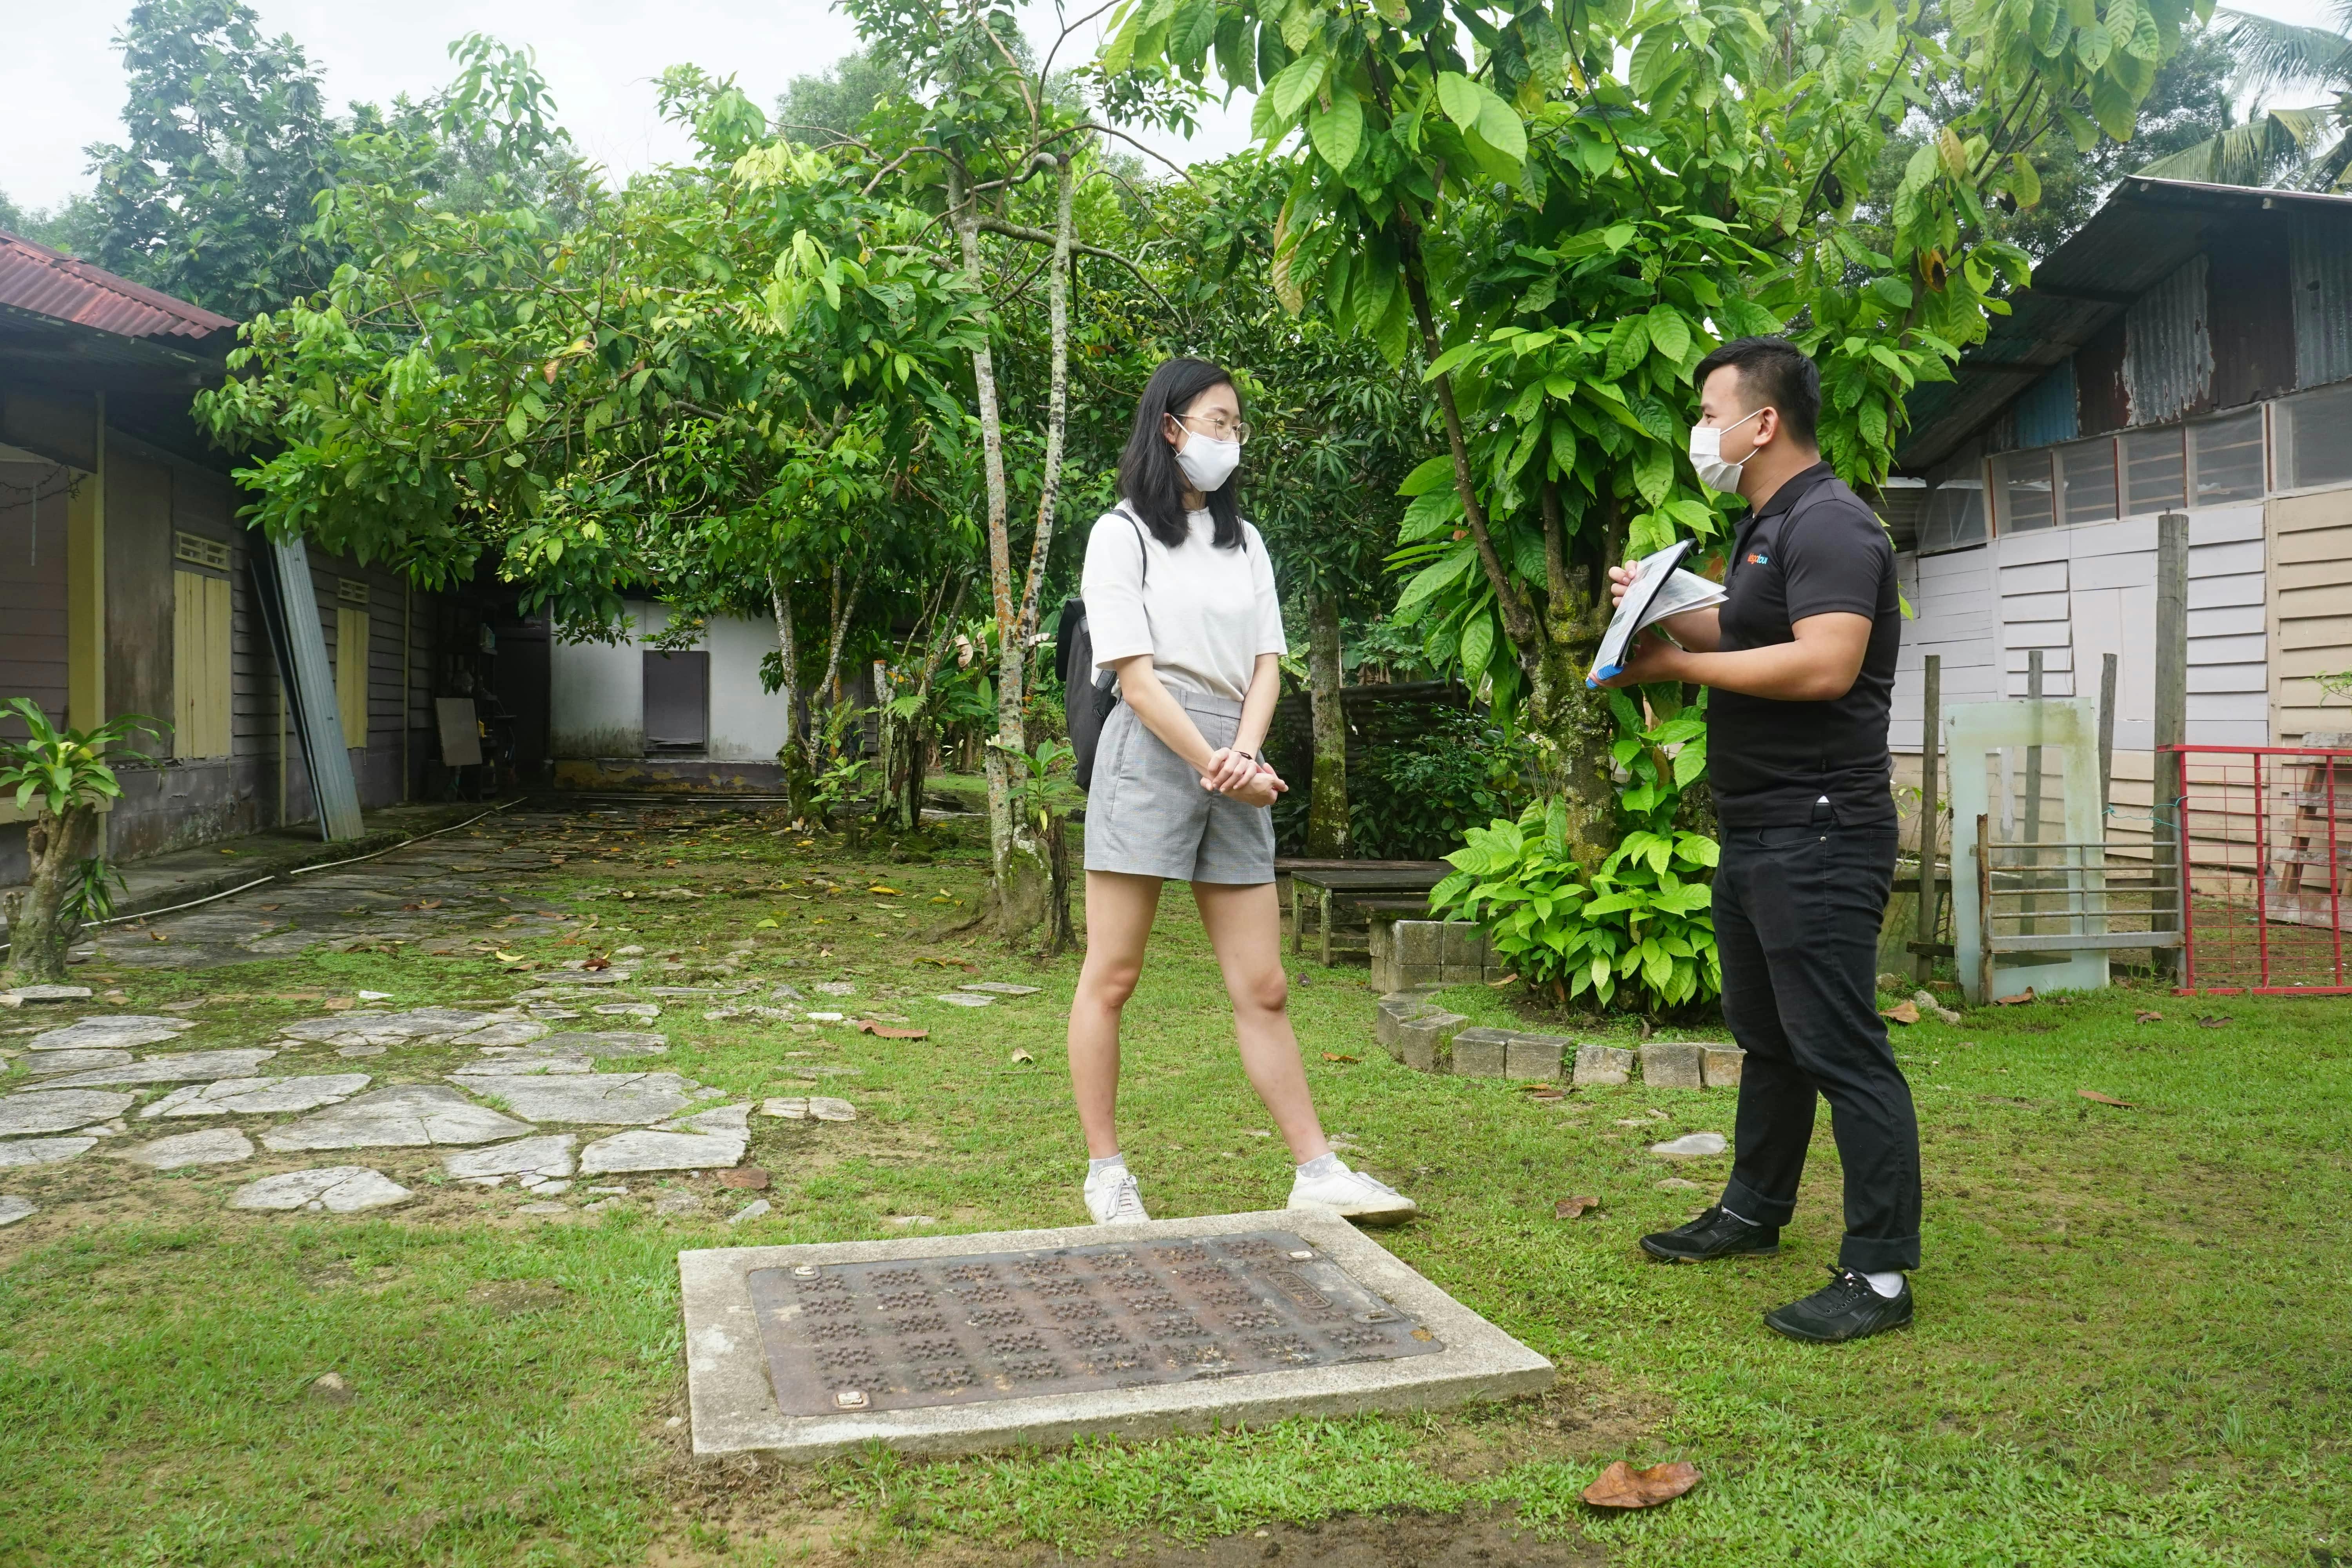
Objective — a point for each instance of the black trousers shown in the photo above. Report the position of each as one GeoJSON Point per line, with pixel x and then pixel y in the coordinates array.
{"type": "Point", "coordinates": [1797, 916]}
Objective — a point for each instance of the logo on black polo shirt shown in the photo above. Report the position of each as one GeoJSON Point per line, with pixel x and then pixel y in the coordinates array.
{"type": "Point", "coordinates": [1757, 558]}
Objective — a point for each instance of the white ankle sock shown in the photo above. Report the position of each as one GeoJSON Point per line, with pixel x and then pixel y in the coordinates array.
{"type": "Point", "coordinates": [1324, 1164]}
{"type": "Point", "coordinates": [1096, 1167]}
{"type": "Point", "coordinates": [1889, 1284]}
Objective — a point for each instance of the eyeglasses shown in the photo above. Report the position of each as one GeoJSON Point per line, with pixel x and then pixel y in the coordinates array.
{"type": "Point", "coordinates": [1217, 427]}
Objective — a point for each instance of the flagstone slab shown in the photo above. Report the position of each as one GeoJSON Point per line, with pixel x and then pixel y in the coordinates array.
{"type": "Point", "coordinates": [1196, 1323]}
{"type": "Point", "coordinates": [19, 1151]}
{"type": "Point", "coordinates": [723, 1119]}
{"type": "Point", "coordinates": [1000, 988]}
{"type": "Point", "coordinates": [403, 1116]}
{"type": "Point", "coordinates": [181, 1069]}
{"type": "Point", "coordinates": [379, 1028]}
{"type": "Point", "coordinates": [14, 1208]}
{"type": "Point", "coordinates": [966, 999]}
{"type": "Point", "coordinates": [337, 1189]}
{"type": "Point", "coordinates": [643, 1148]}
{"type": "Point", "coordinates": [543, 1154]}
{"type": "Point", "coordinates": [259, 1095]}
{"type": "Point", "coordinates": [49, 993]}
{"type": "Point", "coordinates": [616, 1099]}
{"type": "Point", "coordinates": [505, 1031]}
{"type": "Point", "coordinates": [119, 1031]}
{"type": "Point", "coordinates": [213, 1146]}
{"type": "Point", "coordinates": [52, 1062]}
{"type": "Point", "coordinates": [59, 1111]}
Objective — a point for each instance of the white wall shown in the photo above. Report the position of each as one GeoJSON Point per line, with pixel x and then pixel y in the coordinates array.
{"type": "Point", "coordinates": [597, 691]}
{"type": "Point", "coordinates": [2080, 593]}
{"type": "Point", "coordinates": [747, 724]}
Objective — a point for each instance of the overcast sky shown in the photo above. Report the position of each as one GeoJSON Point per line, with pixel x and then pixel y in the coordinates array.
{"type": "Point", "coordinates": [61, 79]}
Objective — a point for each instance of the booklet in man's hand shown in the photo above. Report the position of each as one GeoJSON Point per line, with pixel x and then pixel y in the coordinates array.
{"type": "Point", "coordinates": [1660, 588]}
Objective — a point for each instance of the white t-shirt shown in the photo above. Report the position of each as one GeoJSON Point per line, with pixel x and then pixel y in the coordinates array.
{"type": "Point", "coordinates": [1203, 614]}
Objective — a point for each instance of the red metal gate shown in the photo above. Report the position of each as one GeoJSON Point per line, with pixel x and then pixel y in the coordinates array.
{"type": "Point", "coordinates": [2265, 832]}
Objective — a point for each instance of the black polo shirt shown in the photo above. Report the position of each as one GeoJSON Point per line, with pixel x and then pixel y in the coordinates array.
{"type": "Point", "coordinates": [1812, 549]}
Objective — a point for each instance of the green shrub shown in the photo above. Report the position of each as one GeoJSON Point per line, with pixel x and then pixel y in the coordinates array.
{"type": "Point", "coordinates": [1636, 931]}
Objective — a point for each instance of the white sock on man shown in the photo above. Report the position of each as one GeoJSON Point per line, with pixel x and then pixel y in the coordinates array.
{"type": "Point", "coordinates": [1888, 1284]}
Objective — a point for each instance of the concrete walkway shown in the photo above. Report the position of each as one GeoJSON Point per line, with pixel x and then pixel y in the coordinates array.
{"type": "Point", "coordinates": [180, 876]}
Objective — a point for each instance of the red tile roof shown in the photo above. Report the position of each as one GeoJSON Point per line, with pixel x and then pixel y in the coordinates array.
{"type": "Point", "coordinates": [34, 277]}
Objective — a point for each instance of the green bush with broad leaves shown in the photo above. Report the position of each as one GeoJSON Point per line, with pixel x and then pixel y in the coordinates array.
{"type": "Point", "coordinates": [1636, 931]}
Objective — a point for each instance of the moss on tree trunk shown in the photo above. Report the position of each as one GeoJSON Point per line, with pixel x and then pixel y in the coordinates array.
{"type": "Point", "coordinates": [1326, 813]}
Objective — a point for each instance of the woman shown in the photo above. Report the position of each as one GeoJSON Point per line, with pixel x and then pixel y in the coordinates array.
{"type": "Point", "coordinates": [1180, 603]}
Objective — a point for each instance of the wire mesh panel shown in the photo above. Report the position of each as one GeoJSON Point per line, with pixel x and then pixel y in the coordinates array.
{"type": "Point", "coordinates": [2266, 833]}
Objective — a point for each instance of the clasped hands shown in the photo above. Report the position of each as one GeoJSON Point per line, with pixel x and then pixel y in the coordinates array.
{"type": "Point", "coordinates": [1235, 773]}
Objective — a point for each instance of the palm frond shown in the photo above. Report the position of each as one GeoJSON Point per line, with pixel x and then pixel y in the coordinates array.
{"type": "Point", "coordinates": [2273, 55]}
{"type": "Point", "coordinates": [2255, 154]}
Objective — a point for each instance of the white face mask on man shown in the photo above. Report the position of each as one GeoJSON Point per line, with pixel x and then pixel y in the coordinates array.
{"type": "Point", "coordinates": [1207, 462]}
{"type": "Point", "coordinates": [1706, 456]}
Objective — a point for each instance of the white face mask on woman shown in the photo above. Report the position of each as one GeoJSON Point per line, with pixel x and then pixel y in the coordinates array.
{"type": "Point", "coordinates": [1208, 463]}
{"type": "Point", "coordinates": [1706, 456]}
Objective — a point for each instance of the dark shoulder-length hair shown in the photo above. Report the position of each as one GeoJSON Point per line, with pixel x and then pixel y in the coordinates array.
{"type": "Point", "coordinates": [1149, 480]}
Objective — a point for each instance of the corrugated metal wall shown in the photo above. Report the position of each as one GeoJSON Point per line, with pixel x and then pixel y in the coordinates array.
{"type": "Point", "coordinates": [2046, 413]}
{"type": "Point", "coordinates": [2319, 273]}
{"type": "Point", "coordinates": [2169, 352]}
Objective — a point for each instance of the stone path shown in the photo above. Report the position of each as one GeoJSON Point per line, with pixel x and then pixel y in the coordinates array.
{"type": "Point", "coordinates": [80, 1082]}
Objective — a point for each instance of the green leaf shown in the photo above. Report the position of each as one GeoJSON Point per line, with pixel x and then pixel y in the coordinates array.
{"type": "Point", "coordinates": [1432, 579]}
{"type": "Point", "coordinates": [1669, 333]}
{"type": "Point", "coordinates": [2112, 106]}
{"type": "Point", "coordinates": [1192, 30]}
{"type": "Point", "coordinates": [1460, 98]}
{"type": "Point", "coordinates": [1627, 344]}
{"type": "Point", "coordinates": [1500, 127]}
{"type": "Point", "coordinates": [2092, 45]}
{"type": "Point", "coordinates": [1296, 83]}
{"type": "Point", "coordinates": [1436, 471]}
{"type": "Point", "coordinates": [1654, 472]}
{"type": "Point", "coordinates": [1338, 133]}
{"type": "Point", "coordinates": [1477, 647]}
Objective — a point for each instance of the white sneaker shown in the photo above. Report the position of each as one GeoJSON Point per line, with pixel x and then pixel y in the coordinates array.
{"type": "Point", "coordinates": [1356, 1195]}
{"type": "Point", "coordinates": [1113, 1198]}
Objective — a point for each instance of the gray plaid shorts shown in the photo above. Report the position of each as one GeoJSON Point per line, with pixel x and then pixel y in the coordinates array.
{"type": "Point", "coordinates": [1148, 816]}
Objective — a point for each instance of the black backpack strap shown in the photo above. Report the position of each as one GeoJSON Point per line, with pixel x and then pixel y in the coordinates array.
{"type": "Point", "coordinates": [1141, 549]}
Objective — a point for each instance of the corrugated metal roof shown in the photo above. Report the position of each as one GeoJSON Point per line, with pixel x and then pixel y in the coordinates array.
{"type": "Point", "coordinates": [2168, 348]}
{"type": "Point", "coordinates": [2146, 230]}
{"type": "Point", "coordinates": [39, 280]}
{"type": "Point", "coordinates": [2319, 270]}
{"type": "Point", "coordinates": [2046, 413]}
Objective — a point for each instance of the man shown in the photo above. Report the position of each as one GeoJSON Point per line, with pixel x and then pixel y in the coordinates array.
{"type": "Point", "coordinates": [1800, 658]}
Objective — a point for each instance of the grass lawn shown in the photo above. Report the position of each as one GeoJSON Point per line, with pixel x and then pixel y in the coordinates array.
{"type": "Point", "coordinates": [2134, 1344]}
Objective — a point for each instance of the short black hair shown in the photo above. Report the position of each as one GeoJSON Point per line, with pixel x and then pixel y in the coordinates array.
{"type": "Point", "coordinates": [1148, 478]}
{"type": "Point", "coordinates": [1777, 371]}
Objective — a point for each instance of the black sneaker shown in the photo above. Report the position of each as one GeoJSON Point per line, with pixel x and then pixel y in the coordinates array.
{"type": "Point", "coordinates": [1714, 1233]}
{"type": "Point", "coordinates": [1844, 1309]}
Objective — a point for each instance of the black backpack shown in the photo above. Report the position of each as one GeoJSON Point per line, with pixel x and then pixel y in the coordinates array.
{"type": "Point", "coordinates": [1087, 703]}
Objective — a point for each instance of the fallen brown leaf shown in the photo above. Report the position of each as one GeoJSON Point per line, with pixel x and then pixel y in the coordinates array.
{"type": "Point", "coordinates": [2220, 1021]}
{"type": "Point", "coordinates": [1570, 1208]}
{"type": "Point", "coordinates": [2148, 1017]}
{"type": "Point", "coordinates": [595, 964]}
{"type": "Point", "coordinates": [1901, 1012]}
{"type": "Point", "coordinates": [2096, 1098]}
{"type": "Point", "coordinates": [749, 1176]}
{"type": "Point", "coordinates": [1622, 1486]}
{"type": "Point", "coordinates": [266, 907]}
{"type": "Point", "coordinates": [1022, 1056]}
{"type": "Point", "coordinates": [1546, 1091]}
{"type": "Point", "coordinates": [2020, 1000]}
{"type": "Point", "coordinates": [338, 1003]}
{"type": "Point", "coordinates": [946, 962]}
{"type": "Point", "coordinates": [1338, 1056]}
{"type": "Point", "coordinates": [884, 1031]}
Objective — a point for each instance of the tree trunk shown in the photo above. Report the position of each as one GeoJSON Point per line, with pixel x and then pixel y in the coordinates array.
{"type": "Point", "coordinates": [1327, 812]}
{"type": "Point", "coordinates": [1017, 866]}
{"type": "Point", "coordinates": [800, 783]}
{"type": "Point", "coordinates": [40, 931]}
{"type": "Point", "coordinates": [831, 680]}
{"type": "Point", "coordinates": [1060, 935]}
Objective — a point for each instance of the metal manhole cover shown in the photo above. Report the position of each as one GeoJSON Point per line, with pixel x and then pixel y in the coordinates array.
{"type": "Point", "coordinates": [902, 1334]}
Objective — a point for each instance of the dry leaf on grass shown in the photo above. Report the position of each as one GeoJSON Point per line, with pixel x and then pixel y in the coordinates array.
{"type": "Point", "coordinates": [2148, 1017]}
{"type": "Point", "coordinates": [2220, 1021]}
{"type": "Point", "coordinates": [750, 1177]}
{"type": "Point", "coordinates": [1901, 1012]}
{"type": "Point", "coordinates": [1570, 1208]}
{"type": "Point", "coordinates": [2096, 1098]}
{"type": "Point", "coordinates": [1622, 1486]}
{"type": "Point", "coordinates": [884, 1031]}
{"type": "Point", "coordinates": [946, 962]}
{"type": "Point", "coordinates": [1546, 1091]}
{"type": "Point", "coordinates": [2020, 1000]}
{"type": "Point", "coordinates": [1021, 1055]}
{"type": "Point", "coordinates": [1338, 1056]}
